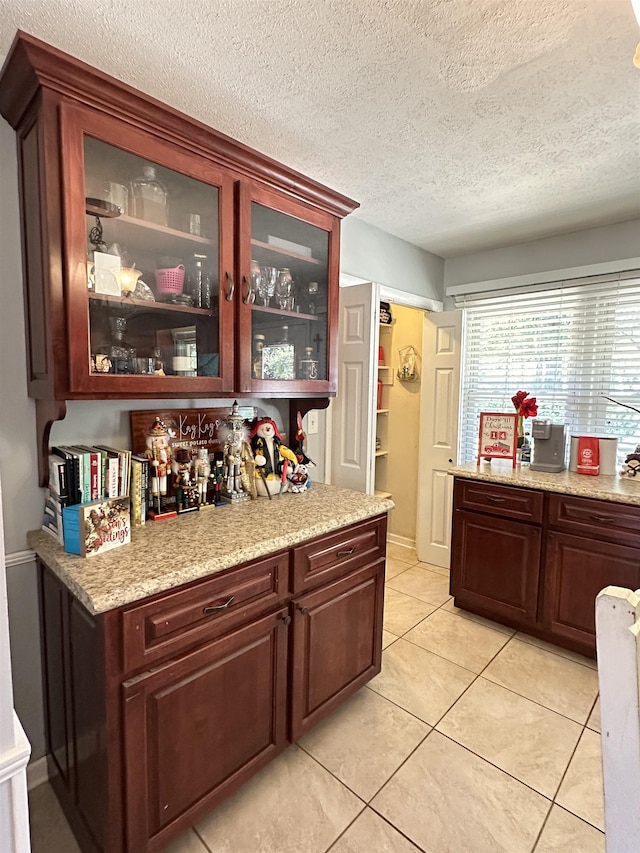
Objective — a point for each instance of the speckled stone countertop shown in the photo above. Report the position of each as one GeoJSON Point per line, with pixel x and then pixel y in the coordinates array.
{"type": "Point", "coordinates": [611, 488]}
{"type": "Point", "coordinates": [166, 554]}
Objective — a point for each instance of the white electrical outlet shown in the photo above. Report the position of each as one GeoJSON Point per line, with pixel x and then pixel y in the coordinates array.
{"type": "Point", "coordinates": [312, 423]}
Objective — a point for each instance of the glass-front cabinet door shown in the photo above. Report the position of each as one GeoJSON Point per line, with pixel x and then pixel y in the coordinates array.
{"type": "Point", "coordinates": [150, 268]}
{"type": "Point", "coordinates": [288, 260]}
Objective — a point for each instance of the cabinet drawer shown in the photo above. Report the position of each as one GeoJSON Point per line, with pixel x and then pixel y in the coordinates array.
{"type": "Point", "coordinates": [329, 557]}
{"type": "Point", "coordinates": [204, 610]}
{"type": "Point", "coordinates": [615, 522]}
{"type": "Point", "coordinates": [507, 501]}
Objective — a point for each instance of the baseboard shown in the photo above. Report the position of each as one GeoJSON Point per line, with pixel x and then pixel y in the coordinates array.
{"type": "Point", "coordinates": [37, 773]}
{"type": "Point", "coordinates": [403, 541]}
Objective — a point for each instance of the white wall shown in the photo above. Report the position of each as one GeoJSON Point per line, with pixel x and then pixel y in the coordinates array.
{"type": "Point", "coordinates": [587, 252]}
{"type": "Point", "coordinates": [374, 255]}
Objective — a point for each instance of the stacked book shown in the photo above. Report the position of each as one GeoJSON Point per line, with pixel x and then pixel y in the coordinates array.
{"type": "Point", "coordinates": [80, 475]}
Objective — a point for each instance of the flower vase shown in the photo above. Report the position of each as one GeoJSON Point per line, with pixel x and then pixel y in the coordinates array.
{"type": "Point", "coordinates": [520, 431]}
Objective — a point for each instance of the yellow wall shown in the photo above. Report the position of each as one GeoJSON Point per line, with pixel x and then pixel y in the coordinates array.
{"type": "Point", "coordinates": [398, 472]}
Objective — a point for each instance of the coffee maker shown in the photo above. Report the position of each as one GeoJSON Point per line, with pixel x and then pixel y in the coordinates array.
{"type": "Point", "coordinates": [549, 446]}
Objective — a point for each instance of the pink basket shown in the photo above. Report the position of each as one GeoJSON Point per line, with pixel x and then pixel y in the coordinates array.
{"type": "Point", "coordinates": [170, 280]}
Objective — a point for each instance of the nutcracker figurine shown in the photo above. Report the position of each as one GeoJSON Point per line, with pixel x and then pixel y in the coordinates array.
{"type": "Point", "coordinates": [159, 456]}
{"type": "Point", "coordinates": [202, 470]}
{"type": "Point", "coordinates": [239, 483]}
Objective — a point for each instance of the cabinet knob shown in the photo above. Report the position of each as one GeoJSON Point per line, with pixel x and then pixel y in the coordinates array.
{"type": "Point", "coordinates": [216, 608]}
{"type": "Point", "coordinates": [346, 552]}
{"type": "Point", "coordinates": [303, 610]}
{"type": "Point", "coordinates": [232, 287]}
{"type": "Point", "coordinates": [285, 618]}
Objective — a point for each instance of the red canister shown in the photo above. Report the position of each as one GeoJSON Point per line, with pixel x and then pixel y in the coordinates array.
{"type": "Point", "coordinates": [379, 393]}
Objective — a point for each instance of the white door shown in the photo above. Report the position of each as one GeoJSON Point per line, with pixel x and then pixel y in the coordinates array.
{"type": "Point", "coordinates": [353, 410]}
{"type": "Point", "coordinates": [441, 342]}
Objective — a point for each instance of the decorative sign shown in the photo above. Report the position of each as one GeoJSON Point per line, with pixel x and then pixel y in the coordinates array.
{"type": "Point", "coordinates": [498, 436]}
{"type": "Point", "coordinates": [190, 428]}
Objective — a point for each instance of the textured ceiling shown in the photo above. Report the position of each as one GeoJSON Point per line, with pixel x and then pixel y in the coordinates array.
{"type": "Point", "coordinates": [457, 124]}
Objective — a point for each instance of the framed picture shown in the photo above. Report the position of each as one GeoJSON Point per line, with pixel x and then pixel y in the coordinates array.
{"type": "Point", "coordinates": [498, 436]}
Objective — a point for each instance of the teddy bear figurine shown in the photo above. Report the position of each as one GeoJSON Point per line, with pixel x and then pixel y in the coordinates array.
{"type": "Point", "coordinates": [631, 464]}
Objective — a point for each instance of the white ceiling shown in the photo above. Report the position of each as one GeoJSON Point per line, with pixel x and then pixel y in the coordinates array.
{"type": "Point", "coordinates": [457, 124]}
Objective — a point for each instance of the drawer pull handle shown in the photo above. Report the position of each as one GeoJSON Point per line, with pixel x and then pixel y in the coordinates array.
{"type": "Point", "coordinates": [346, 552]}
{"type": "Point", "coordinates": [495, 500]}
{"type": "Point", "coordinates": [604, 519]}
{"type": "Point", "coordinates": [216, 608]}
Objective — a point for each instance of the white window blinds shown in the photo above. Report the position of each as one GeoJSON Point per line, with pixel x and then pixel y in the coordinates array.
{"type": "Point", "coordinates": [570, 345]}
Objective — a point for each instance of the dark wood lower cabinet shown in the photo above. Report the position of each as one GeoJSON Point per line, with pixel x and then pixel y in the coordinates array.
{"type": "Point", "coordinates": [197, 727]}
{"type": "Point", "coordinates": [337, 644]}
{"type": "Point", "coordinates": [542, 572]}
{"type": "Point", "coordinates": [158, 710]}
{"type": "Point", "coordinates": [497, 564]}
{"type": "Point", "coordinates": [576, 569]}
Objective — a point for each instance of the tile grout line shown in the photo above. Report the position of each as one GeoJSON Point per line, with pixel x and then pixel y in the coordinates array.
{"type": "Point", "coordinates": [552, 800]}
{"type": "Point", "coordinates": [481, 673]}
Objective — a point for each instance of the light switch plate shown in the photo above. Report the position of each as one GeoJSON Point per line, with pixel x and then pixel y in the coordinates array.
{"type": "Point", "coordinates": [312, 423]}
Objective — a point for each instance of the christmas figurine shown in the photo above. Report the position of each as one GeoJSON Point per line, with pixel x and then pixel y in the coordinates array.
{"type": "Point", "coordinates": [239, 484]}
{"type": "Point", "coordinates": [202, 470]}
{"type": "Point", "coordinates": [272, 457]}
{"type": "Point", "coordinates": [159, 455]}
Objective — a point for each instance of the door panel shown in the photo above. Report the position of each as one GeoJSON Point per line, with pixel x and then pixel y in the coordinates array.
{"type": "Point", "coordinates": [353, 414]}
{"type": "Point", "coordinates": [442, 336]}
{"type": "Point", "coordinates": [196, 727]}
{"type": "Point", "coordinates": [576, 570]}
{"type": "Point", "coordinates": [337, 644]}
{"type": "Point", "coordinates": [497, 566]}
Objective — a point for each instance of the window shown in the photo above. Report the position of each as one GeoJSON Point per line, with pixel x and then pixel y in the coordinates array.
{"type": "Point", "coordinates": [570, 344]}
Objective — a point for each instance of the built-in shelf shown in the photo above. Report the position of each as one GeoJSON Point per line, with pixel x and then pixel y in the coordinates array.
{"type": "Point", "coordinates": [382, 411]}
{"type": "Point", "coordinates": [380, 494]}
{"type": "Point", "coordinates": [382, 453]}
{"type": "Point", "coordinates": [384, 367]}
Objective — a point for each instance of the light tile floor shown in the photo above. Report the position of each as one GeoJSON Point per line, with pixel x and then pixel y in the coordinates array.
{"type": "Point", "coordinates": [473, 739]}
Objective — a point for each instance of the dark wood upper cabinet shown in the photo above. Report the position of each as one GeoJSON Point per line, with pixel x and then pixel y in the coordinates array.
{"type": "Point", "coordinates": [236, 256]}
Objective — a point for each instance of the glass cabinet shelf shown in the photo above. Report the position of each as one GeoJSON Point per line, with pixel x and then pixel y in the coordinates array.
{"type": "Point", "coordinates": [277, 250]}
{"type": "Point", "coordinates": [131, 304]}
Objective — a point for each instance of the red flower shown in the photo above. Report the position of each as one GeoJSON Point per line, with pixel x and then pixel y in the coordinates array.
{"type": "Point", "coordinates": [518, 399]}
{"type": "Point", "coordinates": [528, 408]}
{"type": "Point", "coordinates": [525, 406]}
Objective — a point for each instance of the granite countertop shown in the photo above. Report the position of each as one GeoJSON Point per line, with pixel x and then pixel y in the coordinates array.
{"type": "Point", "coordinates": [169, 553]}
{"type": "Point", "coordinates": [605, 488]}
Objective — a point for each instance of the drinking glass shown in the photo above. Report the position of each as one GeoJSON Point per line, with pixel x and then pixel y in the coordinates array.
{"type": "Point", "coordinates": [284, 289]}
{"type": "Point", "coordinates": [267, 284]}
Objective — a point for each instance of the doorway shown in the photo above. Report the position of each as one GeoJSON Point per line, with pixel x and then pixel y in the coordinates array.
{"type": "Point", "coordinates": [397, 423]}
{"type": "Point", "coordinates": [375, 448]}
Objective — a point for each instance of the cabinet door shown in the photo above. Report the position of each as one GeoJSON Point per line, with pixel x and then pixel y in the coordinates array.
{"type": "Point", "coordinates": [576, 569]}
{"type": "Point", "coordinates": [149, 263]}
{"type": "Point", "coordinates": [496, 566]}
{"type": "Point", "coordinates": [337, 644]}
{"type": "Point", "coordinates": [288, 306]}
{"type": "Point", "coordinates": [197, 727]}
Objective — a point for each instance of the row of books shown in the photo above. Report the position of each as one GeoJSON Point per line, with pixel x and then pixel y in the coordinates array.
{"type": "Point", "coordinates": [88, 476]}
{"type": "Point", "coordinates": [79, 474]}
